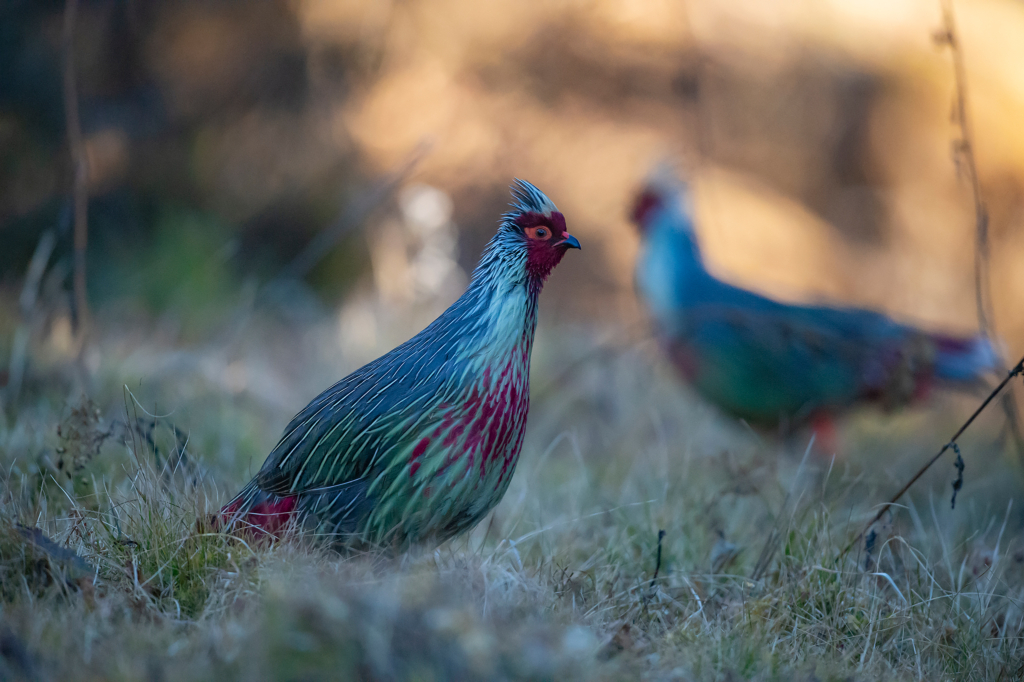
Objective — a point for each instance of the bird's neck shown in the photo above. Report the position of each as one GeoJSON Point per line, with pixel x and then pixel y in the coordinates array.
{"type": "Point", "coordinates": [508, 315]}
{"type": "Point", "coordinates": [502, 302]}
{"type": "Point", "coordinates": [670, 270]}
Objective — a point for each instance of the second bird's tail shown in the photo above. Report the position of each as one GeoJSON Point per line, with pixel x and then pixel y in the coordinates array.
{"type": "Point", "coordinates": [964, 360]}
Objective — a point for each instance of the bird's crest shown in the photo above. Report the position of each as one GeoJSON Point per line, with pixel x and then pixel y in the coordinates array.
{"type": "Point", "coordinates": [663, 188]}
{"type": "Point", "coordinates": [529, 199]}
{"type": "Point", "coordinates": [666, 179]}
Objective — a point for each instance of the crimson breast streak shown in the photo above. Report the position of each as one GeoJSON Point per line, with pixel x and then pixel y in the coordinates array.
{"type": "Point", "coordinates": [487, 429]}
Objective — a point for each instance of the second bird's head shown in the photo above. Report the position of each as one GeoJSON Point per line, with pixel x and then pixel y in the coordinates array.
{"type": "Point", "coordinates": [532, 237]}
{"type": "Point", "coordinates": [663, 214]}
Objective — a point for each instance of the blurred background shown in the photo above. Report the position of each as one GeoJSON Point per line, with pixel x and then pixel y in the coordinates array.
{"type": "Point", "coordinates": [280, 191]}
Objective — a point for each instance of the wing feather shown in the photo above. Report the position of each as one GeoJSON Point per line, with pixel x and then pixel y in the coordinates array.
{"type": "Point", "coordinates": [380, 408]}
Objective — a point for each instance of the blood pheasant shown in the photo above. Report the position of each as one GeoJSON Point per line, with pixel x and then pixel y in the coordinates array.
{"type": "Point", "coordinates": [419, 444]}
{"type": "Point", "coordinates": [771, 363]}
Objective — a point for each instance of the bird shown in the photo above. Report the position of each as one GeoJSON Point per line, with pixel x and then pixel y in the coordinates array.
{"type": "Point", "coordinates": [418, 445]}
{"type": "Point", "coordinates": [774, 364]}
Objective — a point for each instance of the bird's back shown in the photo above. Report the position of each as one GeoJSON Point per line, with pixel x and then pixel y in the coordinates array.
{"type": "Point", "coordinates": [765, 361]}
{"type": "Point", "coordinates": [343, 433]}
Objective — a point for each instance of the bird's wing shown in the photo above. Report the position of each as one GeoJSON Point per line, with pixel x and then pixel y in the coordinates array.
{"type": "Point", "coordinates": [766, 360]}
{"type": "Point", "coordinates": [338, 507]}
{"type": "Point", "coordinates": [355, 428]}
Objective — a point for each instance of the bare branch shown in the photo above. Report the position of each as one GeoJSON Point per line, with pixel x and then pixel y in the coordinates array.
{"type": "Point", "coordinates": [963, 157]}
{"type": "Point", "coordinates": [353, 217]}
{"type": "Point", "coordinates": [80, 187]}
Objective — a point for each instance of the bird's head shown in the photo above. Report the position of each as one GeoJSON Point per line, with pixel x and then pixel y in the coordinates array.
{"type": "Point", "coordinates": [663, 215]}
{"type": "Point", "coordinates": [647, 202]}
{"type": "Point", "coordinates": [661, 191]}
{"type": "Point", "coordinates": [533, 235]}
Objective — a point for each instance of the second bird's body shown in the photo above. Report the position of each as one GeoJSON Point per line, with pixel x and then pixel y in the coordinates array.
{"type": "Point", "coordinates": [773, 363]}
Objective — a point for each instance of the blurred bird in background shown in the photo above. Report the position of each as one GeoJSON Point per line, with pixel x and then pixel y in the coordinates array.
{"type": "Point", "coordinates": [418, 445]}
{"type": "Point", "coordinates": [774, 364]}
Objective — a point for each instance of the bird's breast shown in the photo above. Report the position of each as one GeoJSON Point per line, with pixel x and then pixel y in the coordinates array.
{"type": "Point", "coordinates": [482, 435]}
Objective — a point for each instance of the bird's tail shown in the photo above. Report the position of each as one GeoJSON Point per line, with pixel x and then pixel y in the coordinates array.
{"type": "Point", "coordinates": [334, 510]}
{"type": "Point", "coordinates": [964, 360]}
{"type": "Point", "coordinates": [255, 511]}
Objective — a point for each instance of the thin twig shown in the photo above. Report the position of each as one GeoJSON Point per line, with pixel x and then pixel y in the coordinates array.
{"type": "Point", "coordinates": [27, 305]}
{"type": "Point", "coordinates": [959, 482]}
{"type": "Point", "coordinates": [1017, 369]}
{"type": "Point", "coordinates": [353, 217]}
{"type": "Point", "coordinates": [963, 150]}
{"type": "Point", "coordinates": [80, 188]}
{"type": "Point", "coordinates": [963, 155]}
{"type": "Point", "coordinates": [36, 270]}
{"type": "Point", "coordinates": [657, 564]}
{"type": "Point", "coordinates": [605, 349]}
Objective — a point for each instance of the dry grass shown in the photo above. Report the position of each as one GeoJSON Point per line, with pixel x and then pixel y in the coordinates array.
{"type": "Point", "coordinates": [557, 584]}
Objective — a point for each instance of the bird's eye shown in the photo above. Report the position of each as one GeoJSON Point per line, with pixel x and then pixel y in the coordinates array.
{"type": "Point", "coordinates": [541, 233]}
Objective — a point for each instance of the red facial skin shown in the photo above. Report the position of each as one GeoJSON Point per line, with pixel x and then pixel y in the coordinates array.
{"type": "Point", "coordinates": [646, 204]}
{"type": "Point", "coordinates": [546, 241]}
